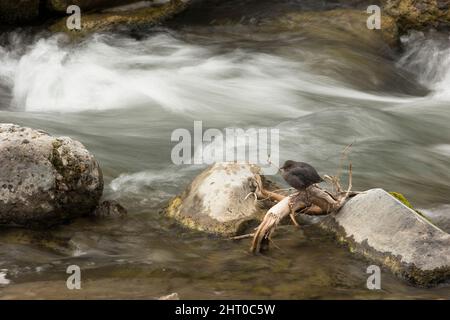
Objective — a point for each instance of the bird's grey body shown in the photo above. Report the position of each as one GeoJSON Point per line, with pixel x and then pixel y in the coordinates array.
{"type": "Point", "coordinates": [299, 175]}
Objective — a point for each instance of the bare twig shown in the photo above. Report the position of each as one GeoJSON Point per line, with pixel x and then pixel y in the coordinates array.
{"type": "Point", "coordinates": [244, 236]}
{"type": "Point", "coordinates": [344, 154]}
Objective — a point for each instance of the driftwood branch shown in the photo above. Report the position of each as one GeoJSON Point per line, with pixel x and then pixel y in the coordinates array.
{"type": "Point", "coordinates": [312, 201]}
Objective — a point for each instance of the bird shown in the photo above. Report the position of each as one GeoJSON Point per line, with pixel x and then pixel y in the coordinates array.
{"type": "Point", "coordinates": [299, 175]}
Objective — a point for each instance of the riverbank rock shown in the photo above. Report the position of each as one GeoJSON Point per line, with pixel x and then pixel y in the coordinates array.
{"type": "Point", "coordinates": [383, 229]}
{"type": "Point", "coordinates": [216, 201]}
{"type": "Point", "coordinates": [147, 15]}
{"type": "Point", "coordinates": [13, 11]}
{"type": "Point", "coordinates": [61, 5]}
{"type": "Point", "coordinates": [418, 14]}
{"type": "Point", "coordinates": [340, 25]}
{"type": "Point", "coordinates": [45, 180]}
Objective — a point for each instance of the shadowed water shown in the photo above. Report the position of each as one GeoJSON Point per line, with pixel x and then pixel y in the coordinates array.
{"type": "Point", "coordinates": [123, 94]}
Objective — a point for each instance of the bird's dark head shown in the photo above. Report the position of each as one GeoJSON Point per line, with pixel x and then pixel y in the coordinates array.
{"type": "Point", "coordinates": [287, 165]}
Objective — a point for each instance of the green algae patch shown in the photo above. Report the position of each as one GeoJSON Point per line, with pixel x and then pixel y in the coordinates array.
{"type": "Point", "coordinates": [400, 197]}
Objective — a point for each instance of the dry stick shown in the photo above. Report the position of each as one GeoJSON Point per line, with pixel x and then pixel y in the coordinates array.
{"type": "Point", "coordinates": [344, 154]}
{"type": "Point", "coordinates": [321, 198]}
{"type": "Point", "coordinates": [244, 236]}
{"type": "Point", "coordinates": [350, 174]}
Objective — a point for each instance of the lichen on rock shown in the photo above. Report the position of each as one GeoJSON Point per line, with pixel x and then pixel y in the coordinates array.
{"type": "Point", "coordinates": [45, 180]}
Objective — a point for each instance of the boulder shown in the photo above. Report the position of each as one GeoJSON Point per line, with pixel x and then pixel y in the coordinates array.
{"type": "Point", "coordinates": [380, 227]}
{"type": "Point", "coordinates": [18, 11]}
{"type": "Point", "coordinates": [216, 201]}
{"type": "Point", "coordinates": [418, 14]}
{"type": "Point", "coordinates": [45, 180]}
{"type": "Point", "coordinates": [135, 17]}
{"type": "Point", "coordinates": [440, 216]}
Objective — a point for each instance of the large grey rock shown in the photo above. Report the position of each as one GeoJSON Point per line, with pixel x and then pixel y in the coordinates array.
{"type": "Point", "coordinates": [440, 216]}
{"type": "Point", "coordinates": [215, 201]}
{"type": "Point", "coordinates": [43, 179]}
{"type": "Point", "coordinates": [383, 229]}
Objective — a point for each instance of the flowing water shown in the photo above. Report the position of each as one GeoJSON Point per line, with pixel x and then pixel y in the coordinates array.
{"type": "Point", "coordinates": [123, 94]}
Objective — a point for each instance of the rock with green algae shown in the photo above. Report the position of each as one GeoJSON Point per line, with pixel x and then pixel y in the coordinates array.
{"type": "Point", "coordinates": [217, 200]}
{"type": "Point", "coordinates": [134, 18]}
{"type": "Point", "coordinates": [386, 231]}
{"type": "Point", "coordinates": [45, 180]}
{"type": "Point", "coordinates": [400, 197]}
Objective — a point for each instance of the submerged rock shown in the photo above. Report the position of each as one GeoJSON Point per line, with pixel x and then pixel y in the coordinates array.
{"type": "Point", "coordinates": [109, 209]}
{"type": "Point", "coordinates": [133, 18]}
{"type": "Point", "coordinates": [216, 201]}
{"type": "Point", "coordinates": [385, 230]}
{"type": "Point", "coordinates": [43, 179]}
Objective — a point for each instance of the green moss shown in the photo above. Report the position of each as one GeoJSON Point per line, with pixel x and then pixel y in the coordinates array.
{"type": "Point", "coordinates": [400, 197]}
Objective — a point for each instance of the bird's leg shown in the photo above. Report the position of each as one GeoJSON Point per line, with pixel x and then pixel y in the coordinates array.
{"type": "Point", "coordinates": [292, 213]}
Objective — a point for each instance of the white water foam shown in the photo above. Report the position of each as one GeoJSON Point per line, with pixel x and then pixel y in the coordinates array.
{"type": "Point", "coordinates": [107, 71]}
{"type": "Point", "coordinates": [428, 56]}
{"type": "Point", "coordinates": [3, 280]}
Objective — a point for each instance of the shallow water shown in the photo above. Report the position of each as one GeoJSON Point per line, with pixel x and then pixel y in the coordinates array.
{"type": "Point", "coordinates": [123, 94]}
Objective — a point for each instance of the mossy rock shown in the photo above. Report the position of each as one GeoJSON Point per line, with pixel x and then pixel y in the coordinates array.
{"type": "Point", "coordinates": [400, 197]}
{"type": "Point", "coordinates": [106, 21]}
{"type": "Point", "coordinates": [45, 180]}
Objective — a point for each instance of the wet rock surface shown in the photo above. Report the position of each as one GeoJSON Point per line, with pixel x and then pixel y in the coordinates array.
{"type": "Point", "coordinates": [109, 209]}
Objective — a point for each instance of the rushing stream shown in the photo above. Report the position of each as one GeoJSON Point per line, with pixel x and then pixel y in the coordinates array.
{"type": "Point", "coordinates": [123, 94]}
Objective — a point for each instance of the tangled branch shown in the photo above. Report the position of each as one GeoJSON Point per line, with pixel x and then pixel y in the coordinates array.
{"type": "Point", "coordinates": [312, 201]}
